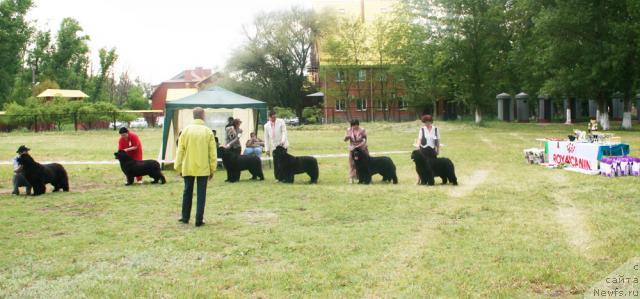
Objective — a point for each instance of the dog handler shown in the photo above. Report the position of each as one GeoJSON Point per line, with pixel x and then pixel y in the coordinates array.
{"type": "Point", "coordinates": [357, 137]}
{"type": "Point", "coordinates": [428, 136]}
{"type": "Point", "coordinates": [130, 143]}
{"type": "Point", "coordinates": [18, 178]}
{"type": "Point", "coordinates": [275, 134]}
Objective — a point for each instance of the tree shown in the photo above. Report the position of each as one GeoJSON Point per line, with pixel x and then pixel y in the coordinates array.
{"type": "Point", "coordinates": [346, 48]}
{"type": "Point", "coordinates": [276, 56]}
{"type": "Point", "coordinates": [69, 60]}
{"type": "Point", "coordinates": [591, 50]}
{"type": "Point", "coordinates": [475, 35]}
{"type": "Point", "coordinates": [136, 99]}
{"type": "Point", "coordinates": [15, 32]}
{"type": "Point", "coordinates": [107, 60]}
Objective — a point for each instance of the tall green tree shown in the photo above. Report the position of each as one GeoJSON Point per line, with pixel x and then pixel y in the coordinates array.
{"type": "Point", "coordinates": [590, 50]}
{"type": "Point", "coordinates": [476, 37]}
{"type": "Point", "coordinates": [70, 57]}
{"type": "Point", "coordinates": [276, 55]}
{"type": "Point", "coordinates": [347, 50]}
{"type": "Point", "coordinates": [15, 32]}
{"type": "Point", "coordinates": [107, 60]}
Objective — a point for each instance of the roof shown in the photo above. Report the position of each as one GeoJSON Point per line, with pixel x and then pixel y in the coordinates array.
{"type": "Point", "coordinates": [62, 93]}
{"type": "Point", "coordinates": [317, 94]}
{"type": "Point", "coordinates": [216, 97]}
{"type": "Point", "coordinates": [179, 93]}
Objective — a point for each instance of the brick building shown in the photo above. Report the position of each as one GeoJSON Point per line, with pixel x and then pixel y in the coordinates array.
{"type": "Point", "coordinates": [197, 78]}
{"type": "Point", "coordinates": [367, 92]}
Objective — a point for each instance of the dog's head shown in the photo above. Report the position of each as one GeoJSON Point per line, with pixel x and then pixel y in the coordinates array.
{"type": "Point", "coordinates": [120, 155]}
{"type": "Point", "coordinates": [25, 160]}
{"type": "Point", "coordinates": [429, 153]}
{"type": "Point", "coordinates": [358, 154]}
{"type": "Point", "coordinates": [417, 156]}
{"type": "Point", "coordinates": [225, 153]}
{"type": "Point", "coordinates": [279, 151]}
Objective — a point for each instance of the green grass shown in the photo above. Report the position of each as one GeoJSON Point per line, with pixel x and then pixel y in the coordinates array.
{"type": "Point", "coordinates": [509, 230]}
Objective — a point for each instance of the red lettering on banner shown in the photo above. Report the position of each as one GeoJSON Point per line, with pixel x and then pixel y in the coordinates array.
{"type": "Point", "coordinates": [572, 160]}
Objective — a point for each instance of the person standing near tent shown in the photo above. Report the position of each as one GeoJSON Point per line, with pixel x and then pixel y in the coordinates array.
{"type": "Point", "coordinates": [130, 143]}
{"type": "Point", "coordinates": [196, 160]}
{"type": "Point", "coordinates": [233, 135]}
{"type": "Point", "coordinates": [275, 134]}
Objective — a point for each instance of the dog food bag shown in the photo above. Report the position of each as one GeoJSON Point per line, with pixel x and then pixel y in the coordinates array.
{"type": "Point", "coordinates": [606, 168]}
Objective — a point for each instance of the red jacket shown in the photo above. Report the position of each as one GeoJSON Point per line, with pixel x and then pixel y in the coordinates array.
{"type": "Point", "coordinates": [133, 140]}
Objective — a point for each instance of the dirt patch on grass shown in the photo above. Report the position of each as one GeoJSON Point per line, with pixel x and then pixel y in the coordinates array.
{"type": "Point", "coordinates": [259, 217]}
{"type": "Point", "coordinates": [573, 224]}
{"type": "Point", "coordinates": [488, 142]}
{"type": "Point", "coordinates": [470, 183]}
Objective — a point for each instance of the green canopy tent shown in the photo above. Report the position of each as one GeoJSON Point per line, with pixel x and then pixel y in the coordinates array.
{"type": "Point", "coordinates": [219, 104]}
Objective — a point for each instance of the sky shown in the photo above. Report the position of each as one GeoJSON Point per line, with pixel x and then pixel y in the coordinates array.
{"type": "Point", "coordinates": [157, 39]}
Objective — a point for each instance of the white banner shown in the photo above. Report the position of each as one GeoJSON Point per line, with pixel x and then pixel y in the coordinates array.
{"type": "Point", "coordinates": [579, 155]}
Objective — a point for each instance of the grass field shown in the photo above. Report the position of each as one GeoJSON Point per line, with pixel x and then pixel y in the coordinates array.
{"type": "Point", "coordinates": [508, 230]}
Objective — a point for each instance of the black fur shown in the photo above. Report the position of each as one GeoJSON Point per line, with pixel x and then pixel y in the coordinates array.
{"type": "Point", "coordinates": [367, 166]}
{"type": "Point", "coordinates": [133, 168]}
{"type": "Point", "coordinates": [289, 166]}
{"type": "Point", "coordinates": [428, 166]}
{"type": "Point", "coordinates": [235, 164]}
{"type": "Point", "coordinates": [38, 175]}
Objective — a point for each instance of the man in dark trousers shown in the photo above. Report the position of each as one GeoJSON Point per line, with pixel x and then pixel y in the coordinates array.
{"type": "Point", "coordinates": [196, 160]}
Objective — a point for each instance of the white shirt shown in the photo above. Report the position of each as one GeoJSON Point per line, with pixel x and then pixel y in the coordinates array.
{"type": "Point", "coordinates": [431, 136]}
{"type": "Point", "coordinates": [275, 134]}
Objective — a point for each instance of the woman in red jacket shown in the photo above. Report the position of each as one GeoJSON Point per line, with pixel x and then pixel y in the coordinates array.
{"type": "Point", "coordinates": [130, 143]}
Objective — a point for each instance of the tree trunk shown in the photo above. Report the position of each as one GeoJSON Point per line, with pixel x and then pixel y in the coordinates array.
{"type": "Point", "coordinates": [604, 121]}
{"type": "Point", "coordinates": [568, 122]}
{"type": "Point", "coordinates": [626, 117]}
{"type": "Point", "coordinates": [478, 116]}
{"type": "Point", "coordinates": [626, 121]}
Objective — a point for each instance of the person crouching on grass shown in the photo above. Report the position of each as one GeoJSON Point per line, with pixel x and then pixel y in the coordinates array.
{"type": "Point", "coordinates": [130, 143]}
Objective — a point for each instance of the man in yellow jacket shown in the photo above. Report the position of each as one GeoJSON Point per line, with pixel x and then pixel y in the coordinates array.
{"type": "Point", "coordinates": [196, 160]}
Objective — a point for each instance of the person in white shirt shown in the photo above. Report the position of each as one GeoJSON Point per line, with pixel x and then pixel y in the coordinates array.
{"type": "Point", "coordinates": [275, 134]}
{"type": "Point", "coordinates": [428, 136]}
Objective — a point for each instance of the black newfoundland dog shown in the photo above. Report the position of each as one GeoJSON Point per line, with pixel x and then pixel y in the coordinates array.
{"type": "Point", "coordinates": [133, 168]}
{"type": "Point", "coordinates": [288, 165]}
{"type": "Point", "coordinates": [235, 164]}
{"type": "Point", "coordinates": [429, 166]}
{"type": "Point", "coordinates": [38, 175]}
{"type": "Point", "coordinates": [367, 166]}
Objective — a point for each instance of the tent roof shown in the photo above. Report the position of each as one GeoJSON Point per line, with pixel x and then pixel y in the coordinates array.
{"type": "Point", "coordinates": [63, 93]}
{"type": "Point", "coordinates": [215, 97]}
{"type": "Point", "coordinates": [317, 94]}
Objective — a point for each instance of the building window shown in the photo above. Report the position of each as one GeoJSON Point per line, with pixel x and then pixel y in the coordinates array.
{"type": "Point", "coordinates": [402, 104]}
{"type": "Point", "coordinates": [361, 105]}
{"type": "Point", "coordinates": [362, 75]}
{"type": "Point", "coordinates": [382, 77]}
{"type": "Point", "coordinates": [382, 105]}
{"type": "Point", "coordinates": [340, 105]}
{"type": "Point", "coordinates": [340, 76]}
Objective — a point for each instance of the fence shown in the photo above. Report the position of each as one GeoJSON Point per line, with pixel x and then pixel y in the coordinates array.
{"type": "Point", "coordinates": [80, 120]}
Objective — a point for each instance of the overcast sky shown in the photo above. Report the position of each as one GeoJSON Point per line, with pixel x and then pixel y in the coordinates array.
{"type": "Point", "coordinates": [156, 39]}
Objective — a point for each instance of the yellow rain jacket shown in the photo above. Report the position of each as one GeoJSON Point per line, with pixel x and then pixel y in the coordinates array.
{"type": "Point", "coordinates": [197, 153]}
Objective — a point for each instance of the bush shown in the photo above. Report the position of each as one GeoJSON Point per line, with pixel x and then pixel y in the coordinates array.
{"type": "Point", "coordinates": [282, 112]}
{"type": "Point", "coordinates": [312, 115]}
